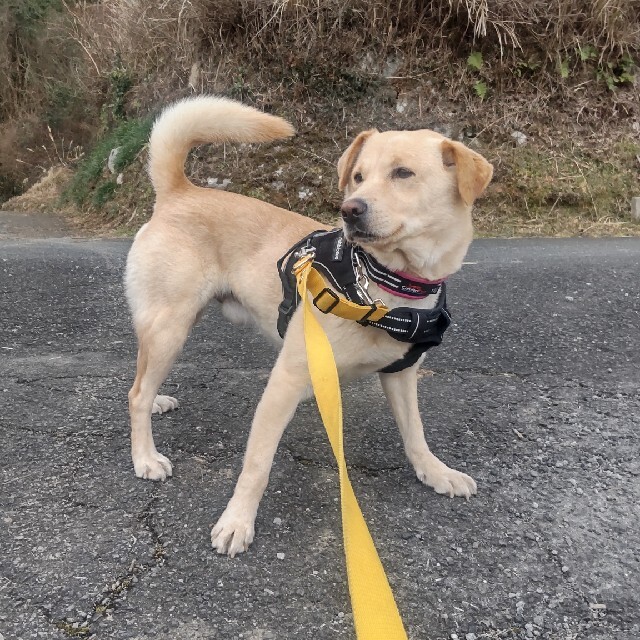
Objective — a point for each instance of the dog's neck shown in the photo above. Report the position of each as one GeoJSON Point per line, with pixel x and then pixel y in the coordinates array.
{"type": "Point", "coordinates": [398, 283]}
{"type": "Point", "coordinates": [423, 258]}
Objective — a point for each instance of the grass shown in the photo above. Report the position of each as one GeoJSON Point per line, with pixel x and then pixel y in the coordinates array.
{"type": "Point", "coordinates": [561, 191]}
{"type": "Point", "coordinates": [88, 185]}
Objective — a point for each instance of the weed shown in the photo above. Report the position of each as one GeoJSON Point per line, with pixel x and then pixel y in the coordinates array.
{"type": "Point", "coordinates": [563, 68]}
{"type": "Point", "coordinates": [527, 67]}
{"type": "Point", "coordinates": [62, 98]}
{"type": "Point", "coordinates": [131, 136]}
{"type": "Point", "coordinates": [618, 73]}
{"type": "Point", "coordinates": [113, 109]}
{"type": "Point", "coordinates": [474, 61]}
{"type": "Point", "coordinates": [29, 15]}
{"type": "Point", "coordinates": [480, 87]}
{"type": "Point", "coordinates": [103, 193]}
{"type": "Point", "coordinates": [587, 52]}
{"type": "Point", "coordinates": [74, 632]}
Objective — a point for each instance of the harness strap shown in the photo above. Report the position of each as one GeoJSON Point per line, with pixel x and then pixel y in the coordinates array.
{"type": "Point", "coordinates": [328, 301]}
{"type": "Point", "coordinates": [335, 281]}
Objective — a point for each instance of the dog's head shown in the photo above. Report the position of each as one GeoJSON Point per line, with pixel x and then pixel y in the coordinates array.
{"type": "Point", "coordinates": [409, 193]}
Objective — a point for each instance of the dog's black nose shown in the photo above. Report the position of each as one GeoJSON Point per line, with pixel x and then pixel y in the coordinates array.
{"type": "Point", "coordinates": [353, 209]}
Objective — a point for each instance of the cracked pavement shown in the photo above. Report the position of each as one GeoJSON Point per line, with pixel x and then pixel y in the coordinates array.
{"type": "Point", "coordinates": [534, 393]}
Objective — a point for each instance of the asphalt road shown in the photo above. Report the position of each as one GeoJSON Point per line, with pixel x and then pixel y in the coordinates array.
{"type": "Point", "coordinates": [534, 393]}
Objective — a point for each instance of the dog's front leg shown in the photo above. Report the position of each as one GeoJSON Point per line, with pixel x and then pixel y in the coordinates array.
{"type": "Point", "coordinates": [401, 389]}
{"type": "Point", "coordinates": [233, 533]}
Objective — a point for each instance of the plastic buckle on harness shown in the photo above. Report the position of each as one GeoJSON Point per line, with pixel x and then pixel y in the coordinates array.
{"type": "Point", "coordinates": [335, 299]}
{"type": "Point", "coordinates": [366, 316]}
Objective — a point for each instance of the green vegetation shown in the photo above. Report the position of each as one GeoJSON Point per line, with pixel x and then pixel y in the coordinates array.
{"type": "Point", "coordinates": [130, 136]}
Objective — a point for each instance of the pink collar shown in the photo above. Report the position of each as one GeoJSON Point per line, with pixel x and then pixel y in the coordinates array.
{"type": "Point", "coordinates": [398, 283]}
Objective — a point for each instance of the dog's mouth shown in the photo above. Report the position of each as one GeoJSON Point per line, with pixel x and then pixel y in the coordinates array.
{"type": "Point", "coordinates": [360, 236]}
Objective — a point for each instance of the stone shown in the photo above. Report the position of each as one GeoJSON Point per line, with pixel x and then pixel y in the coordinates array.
{"type": "Point", "coordinates": [519, 137]}
{"type": "Point", "coordinates": [635, 208]}
{"type": "Point", "coordinates": [113, 157]}
{"type": "Point", "coordinates": [213, 182]}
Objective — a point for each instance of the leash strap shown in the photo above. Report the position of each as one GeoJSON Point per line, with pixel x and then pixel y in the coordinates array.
{"type": "Point", "coordinates": [328, 301]}
{"type": "Point", "coordinates": [375, 613]}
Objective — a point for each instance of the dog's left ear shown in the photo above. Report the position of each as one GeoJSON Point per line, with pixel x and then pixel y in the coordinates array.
{"type": "Point", "coordinates": [473, 172]}
{"type": "Point", "coordinates": [349, 157]}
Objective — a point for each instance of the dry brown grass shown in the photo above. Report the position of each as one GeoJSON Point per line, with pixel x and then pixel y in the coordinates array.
{"type": "Point", "coordinates": [339, 65]}
{"type": "Point", "coordinates": [202, 42]}
{"type": "Point", "coordinates": [44, 194]}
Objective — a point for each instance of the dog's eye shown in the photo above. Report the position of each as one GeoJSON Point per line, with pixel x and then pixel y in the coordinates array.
{"type": "Point", "coordinates": [357, 177]}
{"type": "Point", "coordinates": [402, 172]}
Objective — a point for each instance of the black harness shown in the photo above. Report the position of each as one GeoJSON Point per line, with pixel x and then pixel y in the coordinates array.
{"type": "Point", "coordinates": [343, 266]}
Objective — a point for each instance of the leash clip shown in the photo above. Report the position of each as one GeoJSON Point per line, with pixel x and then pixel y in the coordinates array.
{"type": "Point", "coordinates": [362, 282]}
{"type": "Point", "coordinates": [304, 256]}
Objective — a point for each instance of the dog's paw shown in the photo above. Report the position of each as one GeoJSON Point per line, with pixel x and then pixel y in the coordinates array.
{"type": "Point", "coordinates": [162, 404]}
{"type": "Point", "coordinates": [447, 481]}
{"type": "Point", "coordinates": [233, 533]}
{"type": "Point", "coordinates": [153, 466]}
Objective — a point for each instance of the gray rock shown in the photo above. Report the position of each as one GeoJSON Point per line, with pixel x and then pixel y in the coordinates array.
{"type": "Point", "coordinates": [519, 137]}
{"type": "Point", "coordinates": [113, 157]}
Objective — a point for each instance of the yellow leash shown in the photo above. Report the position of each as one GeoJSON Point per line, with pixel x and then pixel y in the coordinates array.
{"type": "Point", "coordinates": [375, 613]}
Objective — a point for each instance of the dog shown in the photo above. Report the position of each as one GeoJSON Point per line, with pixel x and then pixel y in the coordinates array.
{"type": "Point", "coordinates": [408, 200]}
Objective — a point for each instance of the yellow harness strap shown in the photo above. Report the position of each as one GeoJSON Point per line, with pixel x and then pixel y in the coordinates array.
{"type": "Point", "coordinates": [375, 613]}
{"type": "Point", "coordinates": [329, 301]}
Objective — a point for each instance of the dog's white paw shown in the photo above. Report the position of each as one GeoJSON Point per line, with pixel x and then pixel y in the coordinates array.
{"type": "Point", "coordinates": [444, 480]}
{"type": "Point", "coordinates": [233, 533]}
{"type": "Point", "coordinates": [153, 466]}
{"type": "Point", "coordinates": [162, 404]}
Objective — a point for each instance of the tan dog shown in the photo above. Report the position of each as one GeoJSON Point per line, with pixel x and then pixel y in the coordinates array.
{"type": "Point", "coordinates": [409, 197]}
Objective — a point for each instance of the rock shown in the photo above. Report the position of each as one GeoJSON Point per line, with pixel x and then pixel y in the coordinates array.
{"type": "Point", "coordinates": [280, 556]}
{"type": "Point", "coordinates": [519, 137]}
{"type": "Point", "coordinates": [401, 107]}
{"type": "Point", "coordinates": [277, 521]}
{"type": "Point", "coordinates": [120, 178]}
{"type": "Point", "coordinates": [113, 157]}
{"type": "Point", "coordinates": [635, 208]}
{"type": "Point", "coordinates": [213, 182]}
{"type": "Point", "coordinates": [470, 636]}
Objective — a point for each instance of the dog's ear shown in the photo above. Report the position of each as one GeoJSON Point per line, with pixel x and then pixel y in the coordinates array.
{"type": "Point", "coordinates": [349, 157]}
{"type": "Point", "coordinates": [473, 172]}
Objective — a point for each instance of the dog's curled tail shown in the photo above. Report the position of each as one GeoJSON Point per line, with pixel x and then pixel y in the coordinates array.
{"type": "Point", "coordinates": [200, 120]}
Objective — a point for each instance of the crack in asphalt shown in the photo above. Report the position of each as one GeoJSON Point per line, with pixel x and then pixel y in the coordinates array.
{"type": "Point", "coordinates": [483, 372]}
{"type": "Point", "coordinates": [371, 472]}
{"type": "Point", "coordinates": [105, 604]}
{"type": "Point", "coordinates": [19, 380]}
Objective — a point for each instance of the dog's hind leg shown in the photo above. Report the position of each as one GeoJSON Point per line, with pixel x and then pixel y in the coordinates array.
{"type": "Point", "coordinates": [160, 341]}
{"type": "Point", "coordinates": [401, 389]}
